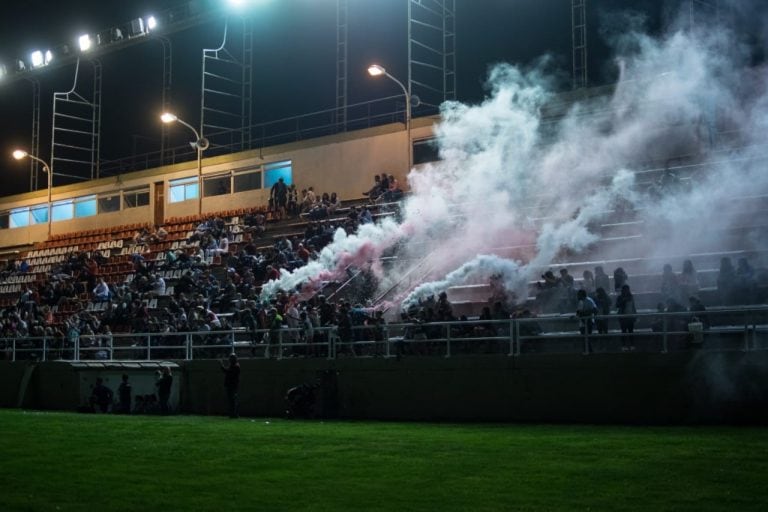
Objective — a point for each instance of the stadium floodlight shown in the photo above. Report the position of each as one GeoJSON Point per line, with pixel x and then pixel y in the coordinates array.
{"type": "Point", "coordinates": [85, 42]}
{"type": "Point", "coordinates": [20, 154]}
{"type": "Point", "coordinates": [200, 144]}
{"type": "Point", "coordinates": [3, 70]}
{"type": "Point", "coordinates": [167, 117]}
{"type": "Point", "coordinates": [375, 70]}
{"type": "Point", "coordinates": [37, 59]}
{"type": "Point", "coordinates": [151, 23]}
{"type": "Point", "coordinates": [48, 57]}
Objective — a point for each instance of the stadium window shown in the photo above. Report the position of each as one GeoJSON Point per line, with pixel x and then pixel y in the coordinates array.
{"type": "Point", "coordinates": [182, 189]}
{"type": "Point", "coordinates": [247, 180]}
{"type": "Point", "coordinates": [425, 151]}
{"type": "Point", "coordinates": [63, 210]}
{"type": "Point", "coordinates": [19, 217]}
{"type": "Point", "coordinates": [85, 206]}
{"type": "Point", "coordinates": [217, 185]}
{"type": "Point", "coordinates": [136, 197]}
{"type": "Point", "coordinates": [39, 214]}
{"type": "Point", "coordinates": [109, 203]}
{"type": "Point", "coordinates": [273, 172]}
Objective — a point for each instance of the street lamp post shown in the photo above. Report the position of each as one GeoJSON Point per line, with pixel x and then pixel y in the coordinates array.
{"type": "Point", "coordinates": [20, 154]}
{"type": "Point", "coordinates": [200, 144]}
{"type": "Point", "coordinates": [376, 70]}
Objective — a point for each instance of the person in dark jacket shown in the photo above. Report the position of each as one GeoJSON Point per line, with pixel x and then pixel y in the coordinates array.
{"type": "Point", "coordinates": [164, 384]}
{"type": "Point", "coordinates": [124, 394]}
{"type": "Point", "coordinates": [625, 305]}
{"type": "Point", "coordinates": [101, 396]}
{"type": "Point", "coordinates": [232, 384]}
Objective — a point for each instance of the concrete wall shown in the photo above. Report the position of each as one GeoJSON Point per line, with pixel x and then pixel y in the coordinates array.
{"type": "Point", "coordinates": [343, 163]}
{"type": "Point", "coordinates": [692, 387]}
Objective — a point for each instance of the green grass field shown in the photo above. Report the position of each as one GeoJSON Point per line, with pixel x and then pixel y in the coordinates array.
{"type": "Point", "coordinates": [59, 461]}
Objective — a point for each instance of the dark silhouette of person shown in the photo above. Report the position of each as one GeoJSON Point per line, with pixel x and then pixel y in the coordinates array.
{"type": "Point", "coordinates": [625, 305]}
{"type": "Point", "coordinates": [164, 384]}
{"type": "Point", "coordinates": [124, 395]}
{"type": "Point", "coordinates": [232, 385]}
{"type": "Point", "coordinates": [101, 396]}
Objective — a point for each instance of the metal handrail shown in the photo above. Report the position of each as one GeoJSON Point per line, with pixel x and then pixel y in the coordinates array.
{"type": "Point", "coordinates": [385, 340]}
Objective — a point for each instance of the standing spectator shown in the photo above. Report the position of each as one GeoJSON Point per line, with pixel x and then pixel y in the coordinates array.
{"type": "Point", "coordinates": [670, 287]}
{"type": "Point", "coordinates": [279, 196]}
{"type": "Point", "coordinates": [585, 311]}
{"type": "Point", "coordinates": [625, 305]}
{"type": "Point", "coordinates": [603, 303]}
{"type": "Point", "coordinates": [601, 279]}
{"type": "Point", "coordinates": [232, 385]}
{"type": "Point", "coordinates": [745, 282]}
{"type": "Point", "coordinates": [619, 279]}
{"type": "Point", "coordinates": [124, 395]}
{"type": "Point", "coordinates": [101, 396]}
{"type": "Point", "coordinates": [164, 384]}
{"type": "Point", "coordinates": [689, 280]}
{"type": "Point", "coordinates": [588, 282]}
{"type": "Point", "coordinates": [726, 281]}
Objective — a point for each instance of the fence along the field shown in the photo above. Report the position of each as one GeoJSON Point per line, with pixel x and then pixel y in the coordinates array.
{"type": "Point", "coordinates": [741, 329]}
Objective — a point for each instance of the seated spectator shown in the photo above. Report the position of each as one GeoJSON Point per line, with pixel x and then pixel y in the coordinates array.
{"type": "Point", "coordinates": [698, 309]}
{"type": "Point", "coordinates": [393, 192]}
{"type": "Point", "coordinates": [375, 191]}
{"type": "Point", "coordinates": [101, 291]}
{"type": "Point", "coordinates": [159, 235]}
{"type": "Point", "coordinates": [365, 216]}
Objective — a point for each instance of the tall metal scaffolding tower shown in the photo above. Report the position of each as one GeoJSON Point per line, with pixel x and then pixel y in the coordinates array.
{"type": "Point", "coordinates": [432, 52]}
{"type": "Point", "coordinates": [579, 43]}
{"type": "Point", "coordinates": [34, 149]}
{"type": "Point", "coordinates": [225, 99]}
{"type": "Point", "coordinates": [166, 93]}
{"type": "Point", "coordinates": [76, 129]}
{"type": "Point", "coordinates": [701, 12]}
{"type": "Point", "coordinates": [342, 67]}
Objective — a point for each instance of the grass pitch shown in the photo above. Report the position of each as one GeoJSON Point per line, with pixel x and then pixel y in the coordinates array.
{"type": "Point", "coordinates": [59, 461]}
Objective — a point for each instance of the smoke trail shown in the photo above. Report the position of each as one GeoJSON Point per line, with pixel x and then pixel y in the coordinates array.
{"type": "Point", "coordinates": [523, 169]}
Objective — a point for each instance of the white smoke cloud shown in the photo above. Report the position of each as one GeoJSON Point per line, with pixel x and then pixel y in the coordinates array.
{"type": "Point", "coordinates": [515, 189]}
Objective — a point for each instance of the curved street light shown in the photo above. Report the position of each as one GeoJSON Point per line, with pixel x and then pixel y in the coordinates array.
{"type": "Point", "coordinates": [375, 70]}
{"type": "Point", "coordinates": [20, 154]}
{"type": "Point", "coordinates": [200, 144]}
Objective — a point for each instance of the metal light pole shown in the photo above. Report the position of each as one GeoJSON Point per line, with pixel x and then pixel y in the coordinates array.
{"type": "Point", "coordinates": [200, 144]}
{"type": "Point", "coordinates": [376, 70]}
{"type": "Point", "coordinates": [20, 154]}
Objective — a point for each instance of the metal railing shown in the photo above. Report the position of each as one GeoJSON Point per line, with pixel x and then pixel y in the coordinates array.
{"type": "Point", "coordinates": [742, 329]}
{"type": "Point", "coordinates": [280, 131]}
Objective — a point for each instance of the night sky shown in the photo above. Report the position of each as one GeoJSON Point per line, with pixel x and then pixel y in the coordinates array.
{"type": "Point", "coordinates": [294, 60]}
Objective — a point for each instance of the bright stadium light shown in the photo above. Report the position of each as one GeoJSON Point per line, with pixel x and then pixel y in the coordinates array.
{"type": "Point", "coordinates": [200, 144]}
{"type": "Point", "coordinates": [151, 23]}
{"type": "Point", "coordinates": [376, 70]}
{"type": "Point", "coordinates": [48, 57]}
{"type": "Point", "coordinates": [37, 59]}
{"type": "Point", "coordinates": [167, 117]}
{"type": "Point", "coordinates": [20, 154]}
{"type": "Point", "coordinates": [85, 42]}
{"type": "Point", "coordinates": [3, 71]}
